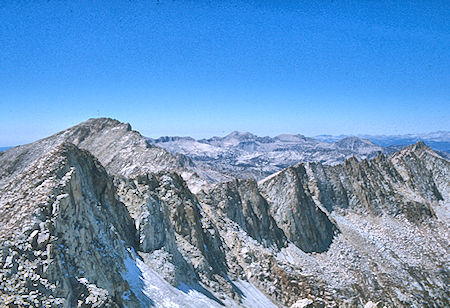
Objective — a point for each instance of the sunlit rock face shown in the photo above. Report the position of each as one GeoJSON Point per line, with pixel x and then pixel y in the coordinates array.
{"type": "Point", "coordinates": [293, 208]}
{"type": "Point", "coordinates": [95, 216]}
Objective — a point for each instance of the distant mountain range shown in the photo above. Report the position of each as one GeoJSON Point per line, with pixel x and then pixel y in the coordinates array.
{"type": "Point", "coordinates": [245, 155]}
{"type": "Point", "coordinates": [436, 140]}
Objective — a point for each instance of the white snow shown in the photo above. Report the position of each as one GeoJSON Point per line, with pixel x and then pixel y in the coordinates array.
{"type": "Point", "coordinates": [263, 156]}
{"type": "Point", "coordinates": [252, 297]}
{"type": "Point", "coordinates": [133, 276]}
{"type": "Point", "coordinates": [151, 289]}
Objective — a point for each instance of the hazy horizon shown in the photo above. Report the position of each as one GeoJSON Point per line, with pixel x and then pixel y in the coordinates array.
{"type": "Point", "coordinates": [5, 146]}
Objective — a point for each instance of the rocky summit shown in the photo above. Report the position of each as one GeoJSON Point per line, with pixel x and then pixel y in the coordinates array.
{"type": "Point", "coordinates": [100, 216]}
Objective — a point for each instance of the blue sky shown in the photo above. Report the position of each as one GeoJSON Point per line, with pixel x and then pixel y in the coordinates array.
{"type": "Point", "coordinates": [204, 68]}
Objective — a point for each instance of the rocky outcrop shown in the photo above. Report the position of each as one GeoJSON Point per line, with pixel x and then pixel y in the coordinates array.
{"type": "Point", "coordinates": [293, 208]}
{"type": "Point", "coordinates": [121, 150]}
{"type": "Point", "coordinates": [133, 233]}
{"type": "Point", "coordinates": [401, 184]}
{"type": "Point", "coordinates": [176, 238]}
{"type": "Point", "coordinates": [64, 234]}
{"type": "Point", "coordinates": [241, 201]}
{"type": "Point", "coordinates": [392, 217]}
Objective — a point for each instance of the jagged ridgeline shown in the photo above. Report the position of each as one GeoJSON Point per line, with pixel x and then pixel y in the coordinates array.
{"type": "Point", "coordinates": [96, 216]}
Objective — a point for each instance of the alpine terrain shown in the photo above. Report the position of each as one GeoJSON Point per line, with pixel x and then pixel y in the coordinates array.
{"type": "Point", "coordinates": [100, 216]}
{"type": "Point", "coordinates": [244, 155]}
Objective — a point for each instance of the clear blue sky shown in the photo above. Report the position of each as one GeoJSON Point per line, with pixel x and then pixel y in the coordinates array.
{"type": "Point", "coordinates": [205, 68]}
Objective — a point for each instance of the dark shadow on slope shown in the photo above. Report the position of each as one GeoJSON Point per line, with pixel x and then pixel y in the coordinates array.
{"type": "Point", "coordinates": [199, 288]}
{"type": "Point", "coordinates": [236, 289]}
{"type": "Point", "coordinates": [134, 277]}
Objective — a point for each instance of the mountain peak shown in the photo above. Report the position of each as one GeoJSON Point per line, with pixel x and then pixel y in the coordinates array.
{"type": "Point", "coordinates": [418, 147]}
{"type": "Point", "coordinates": [101, 123]}
{"type": "Point", "coordinates": [239, 135]}
{"type": "Point", "coordinates": [353, 141]}
{"type": "Point", "coordinates": [290, 137]}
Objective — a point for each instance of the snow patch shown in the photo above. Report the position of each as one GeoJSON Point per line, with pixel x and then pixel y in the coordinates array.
{"type": "Point", "coordinates": [153, 290]}
{"type": "Point", "coordinates": [252, 297]}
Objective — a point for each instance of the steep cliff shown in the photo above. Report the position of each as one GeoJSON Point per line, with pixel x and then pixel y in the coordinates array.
{"type": "Point", "coordinates": [175, 237]}
{"type": "Point", "coordinates": [391, 214]}
{"type": "Point", "coordinates": [293, 208]}
{"type": "Point", "coordinates": [64, 234]}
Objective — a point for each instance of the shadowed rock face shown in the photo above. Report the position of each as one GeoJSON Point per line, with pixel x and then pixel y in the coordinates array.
{"type": "Point", "coordinates": [300, 197]}
{"type": "Point", "coordinates": [66, 233]}
{"type": "Point", "coordinates": [343, 235]}
{"type": "Point", "coordinates": [294, 210]}
{"type": "Point", "coordinates": [170, 221]}
{"type": "Point", "coordinates": [400, 184]}
{"type": "Point", "coordinates": [241, 201]}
